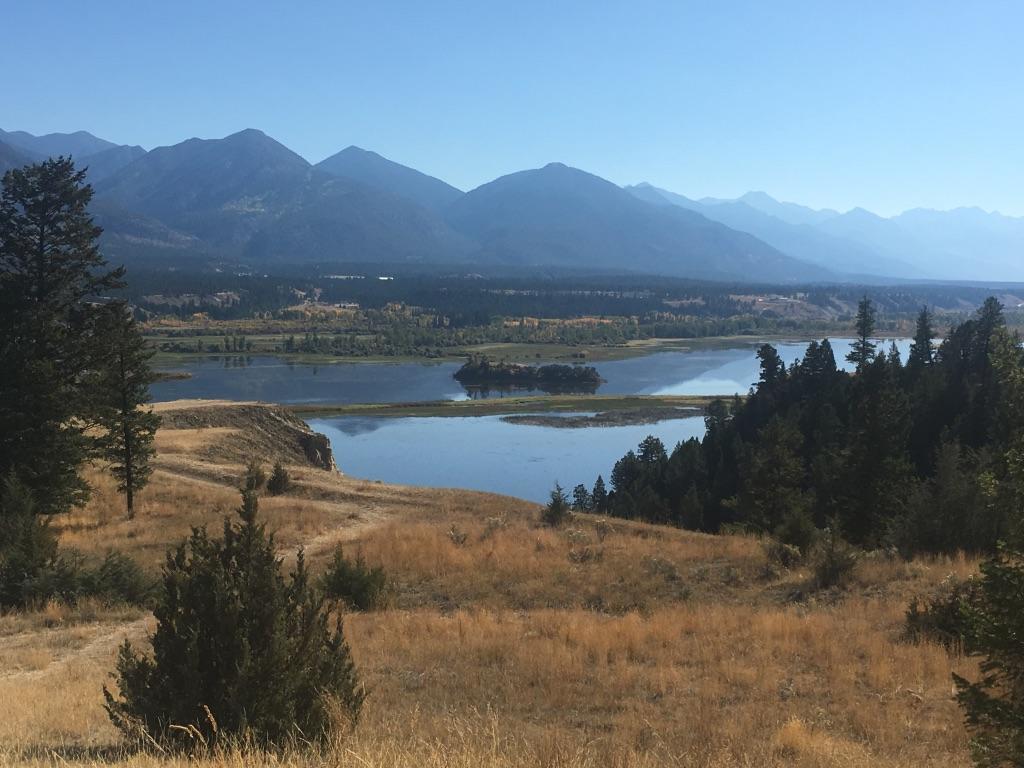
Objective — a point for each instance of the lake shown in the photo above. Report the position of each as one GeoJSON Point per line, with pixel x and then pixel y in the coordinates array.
{"type": "Point", "coordinates": [485, 453]}
{"type": "Point", "coordinates": [482, 452]}
{"type": "Point", "coordinates": [700, 371]}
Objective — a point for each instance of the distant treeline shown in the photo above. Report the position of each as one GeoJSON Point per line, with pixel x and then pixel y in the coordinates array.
{"type": "Point", "coordinates": [910, 454]}
{"type": "Point", "coordinates": [467, 301]}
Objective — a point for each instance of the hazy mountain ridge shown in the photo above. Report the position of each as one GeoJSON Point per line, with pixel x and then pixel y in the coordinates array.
{"type": "Point", "coordinates": [247, 196]}
{"type": "Point", "coordinates": [919, 243]}
{"type": "Point", "coordinates": [559, 215]}
{"type": "Point", "coordinates": [101, 157]}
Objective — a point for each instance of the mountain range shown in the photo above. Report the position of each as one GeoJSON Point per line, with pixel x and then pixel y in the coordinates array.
{"type": "Point", "coordinates": [249, 199]}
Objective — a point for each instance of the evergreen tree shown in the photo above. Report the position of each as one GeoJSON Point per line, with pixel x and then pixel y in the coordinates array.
{"type": "Point", "coordinates": [50, 266]}
{"type": "Point", "coordinates": [772, 486]}
{"type": "Point", "coordinates": [863, 349]}
{"type": "Point", "coordinates": [123, 392]}
{"type": "Point", "coordinates": [922, 350]}
{"type": "Point", "coordinates": [558, 509]}
{"type": "Point", "coordinates": [994, 704]}
{"type": "Point", "coordinates": [599, 496]}
{"type": "Point", "coordinates": [238, 649]}
{"type": "Point", "coordinates": [581, 500]}
{"type": "Point", "coordinates": [280, 481]}
{"type": "Point", "coordinates": [27, 545]}
{"type": "Point", "coordinates": [773, 370]}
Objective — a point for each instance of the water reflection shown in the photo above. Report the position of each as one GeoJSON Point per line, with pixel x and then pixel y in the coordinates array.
{"type": "Point", "coordinates": [487, 453]}
{"type": "Point", "coordinates": [699, 371]}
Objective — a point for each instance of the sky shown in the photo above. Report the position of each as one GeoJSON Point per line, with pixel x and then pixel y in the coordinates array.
{"type": "Point", "coordinates": [883, 105]}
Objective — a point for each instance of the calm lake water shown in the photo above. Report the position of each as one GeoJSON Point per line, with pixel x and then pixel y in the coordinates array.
{"type": "Point", "coordinates": [485, 453]}
{"type": "Point", "coordinates": [718, 371]}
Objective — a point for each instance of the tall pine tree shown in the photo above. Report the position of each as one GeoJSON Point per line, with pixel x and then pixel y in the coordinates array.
{"type": "Point", "coordinates": [50, 267]}
{"type": "Point", "coordinates": [123, 392]}
{"type": "Point", "coordinates": [863, 351]}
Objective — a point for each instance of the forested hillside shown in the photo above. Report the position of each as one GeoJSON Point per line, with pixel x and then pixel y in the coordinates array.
{"type": "Point", "coordinates": [911, 454]}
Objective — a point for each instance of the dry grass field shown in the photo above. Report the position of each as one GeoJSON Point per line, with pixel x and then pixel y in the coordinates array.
{"type": "Point", "coordinates": [508, 644]}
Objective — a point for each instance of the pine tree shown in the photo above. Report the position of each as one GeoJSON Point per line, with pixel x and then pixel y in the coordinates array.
{"type": "Point", "coordinates": [773, 370]}
{"type": "Point", "coordinates": [994, 704]}
{"type": "Point", "coordinates": [599, 496]}
{"type": "Point", "coordinates": [280, 481]}
{"type": "Point", "coordinates": [922, 351]}
{"type": "Point", "coordinates": [123, 392]}
{"type": "Point", "coordinates": [27, 545]}
{"type": "Point", "coordinates": [238, 649]}
{"type": "Point", "coordinates": [558, 509]}
{"type": "Point", "coordinates": [863, 350]}
{"type": "Point", "coordinates": [50, 266]}
{"type": "Point", "coordinates": [581, 500]}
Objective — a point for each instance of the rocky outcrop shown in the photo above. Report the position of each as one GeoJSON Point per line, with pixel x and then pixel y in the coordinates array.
{"type": "Point", "coordinates": [251, 430]}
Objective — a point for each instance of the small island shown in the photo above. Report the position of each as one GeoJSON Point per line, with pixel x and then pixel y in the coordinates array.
{"type": "Point", "coordinates": [480, 371]}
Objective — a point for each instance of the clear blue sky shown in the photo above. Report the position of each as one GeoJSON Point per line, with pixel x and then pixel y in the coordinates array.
{"type": "Point", "coordinates": [886, 105]}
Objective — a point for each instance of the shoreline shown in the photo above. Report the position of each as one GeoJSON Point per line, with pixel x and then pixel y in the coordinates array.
{"type": "Point", "coordinates": [506, 406]}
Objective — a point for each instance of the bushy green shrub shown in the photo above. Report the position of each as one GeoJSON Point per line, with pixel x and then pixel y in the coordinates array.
{"type": "Point", "coordinates": [833, 560]}
{"type": "Point", "coordinates": [558, 509]}
{"type": "Point", "coordinates": [279, 482]}
{"type": "Point", "coordinates": [240, 651]}
{"type": "Point", "coordinates": [358, 585]}
{"type": "Point", "coordinates": [255, 476]}
{"type": "Point", "coordinates": [33, 570]}
{"type": "Point", "coordinates": [27, 545]}
{"type": "Point", "coordinates": [782, 554]}
{"type": "Point", "coordinates": [942, 616]}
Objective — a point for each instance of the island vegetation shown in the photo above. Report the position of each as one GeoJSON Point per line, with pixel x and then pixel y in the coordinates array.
{"type": "Point", "coordinates": [481, 372]}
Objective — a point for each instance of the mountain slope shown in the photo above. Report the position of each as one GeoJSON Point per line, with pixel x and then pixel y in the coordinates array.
{"type": "Point", "coordinates": [109, 161]}
{"type": "Point", "coordinates": [248, 196]}
{"type": "Point", "coordinates": [562, 216]}
{"type": "Point", "coordinates": [801, 241]}
{"type": "Point", "coordinates": [337, 219]}
{"type": "Point", "coordinates": [375, 171]}
{"type": "Point", "coordinates": [78, 144]}
{"type": "Point", "coordinates": [991, 243]}
{"type": "Point", "coordinates": [220, 190]}
{"type": "Point", "coordinates": [11, 158]}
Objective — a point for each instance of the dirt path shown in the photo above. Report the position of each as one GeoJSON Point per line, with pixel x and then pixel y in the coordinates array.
{"type": "Point", "coordinates": [99, 649]}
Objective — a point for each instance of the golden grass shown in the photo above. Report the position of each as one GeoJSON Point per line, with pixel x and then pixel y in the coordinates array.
{"type": "Point", "coordinates": [508, 644]}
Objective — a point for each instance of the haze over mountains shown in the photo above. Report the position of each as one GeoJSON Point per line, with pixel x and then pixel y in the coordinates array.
{"type": "Point", "coordinates": [247, 198]}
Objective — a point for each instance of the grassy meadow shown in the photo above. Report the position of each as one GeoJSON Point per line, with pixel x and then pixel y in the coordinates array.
{"type": "Point", "coordinates": [504, 643]}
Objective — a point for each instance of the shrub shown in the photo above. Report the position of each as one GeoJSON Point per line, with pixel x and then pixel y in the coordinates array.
{"type": "Point", "coordinates": [994, 704]}
{"type": "Point", "coordinates": [557, 510]}
{"type": "Point", "coordinates": [239, 652]}
{"type": "Point", "coordinates": [255, 477]}
{"type": "Point", "coordinates": [942, 616]}
{"type": "Point", "coordinates": [782, 554]}
{"type": "Point", "coordinates": [27, 545]}
{"type": "Point", "coordinates": [279, 482]}
{"type": "Point", "coordinates": [117, 579]}
{"type": "Point", "coordinates": [358, 585]}
{"type": "Point", "coordinates": [70, 577]}
{"type": "Point", "coordinates": [797, 529]}
{"type": "Point", "coordinates": [457, 536]}
{"type": "Point", "coordinates": [832, 560]}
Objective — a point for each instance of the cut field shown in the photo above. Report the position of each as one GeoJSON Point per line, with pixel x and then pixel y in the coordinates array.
{"type": "Point", "coordinates": [504, 643]}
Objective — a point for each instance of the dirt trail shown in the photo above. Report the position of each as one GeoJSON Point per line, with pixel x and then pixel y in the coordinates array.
{"type": "Point", "coordinates": [99, 649]}
{"type": "Point", "coordinates": [202, 448]}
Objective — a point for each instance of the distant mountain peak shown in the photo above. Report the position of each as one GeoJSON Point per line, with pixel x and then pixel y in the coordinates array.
{"type": "Point", "coordinates": [374, 170]}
